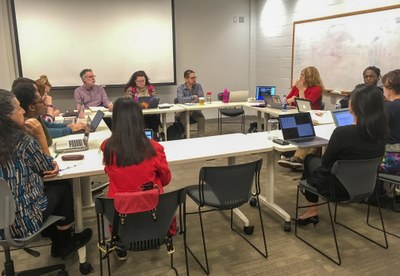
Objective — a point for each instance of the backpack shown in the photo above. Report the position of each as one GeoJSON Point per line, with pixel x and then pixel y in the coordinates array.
{"type": "Point", "coordinates": [176, 131]}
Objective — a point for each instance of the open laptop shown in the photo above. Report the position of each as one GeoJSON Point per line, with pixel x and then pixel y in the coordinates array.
{"type": "Point", "coordinates": [274, 101]}
{"type": "Point", "coordinates": [148, 102]}
{"type": "Point", "coordinates": [96, 120]}
{"type": "Point", "coordinates": [238, 96]}
{"type": "Point", "coordinates": [298, 129]}
{"type": "Point", "coordinates": [74, 145]}
{"type": "Point", "coordinates": [264, 90]}
{"type": "Point", "coordinates": [303, 105]}
{"type": "Point", "coordinates": [342, 117]}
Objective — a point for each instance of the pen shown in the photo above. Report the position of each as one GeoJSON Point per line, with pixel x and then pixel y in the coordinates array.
{"type": "Point", "coordinates": [57, 154]}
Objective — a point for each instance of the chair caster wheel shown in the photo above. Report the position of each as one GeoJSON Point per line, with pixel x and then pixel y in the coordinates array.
{"type": "Point", "coordinates": [253, 202]}
{"type": "Point", "coordinates": [85, 268]}
{"type": "Point", "coordinates": [287, 226]}
{"type": "Point", "coordinates": [248, 230]}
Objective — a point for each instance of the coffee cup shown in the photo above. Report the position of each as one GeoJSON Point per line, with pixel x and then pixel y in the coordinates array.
{"type": "Point", "coordinates": [201, 100]}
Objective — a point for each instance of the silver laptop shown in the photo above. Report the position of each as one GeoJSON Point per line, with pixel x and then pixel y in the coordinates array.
{"type": "Point", "coordinates": [69, 120]}
{"type": "Point", "coordinates": [303, 105]}
{"type": "Point", "coordinates": [75, 144]}
{"type": "Point", "coordinates": [238, 96]}
{"type": "Point", "coordinates": [342, 117]}
{"type": "Point", "coordinates": [298, 129]}
{"type": "Point", "coordinates": [274, 101]}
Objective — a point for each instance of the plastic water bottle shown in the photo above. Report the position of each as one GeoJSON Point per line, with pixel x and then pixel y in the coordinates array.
{"type": "Point", "coordinates": [81, 111]}
{"type": "Point", "coordinates": [338, 105]}
{"type": "Point", "coordinates": [208, 97]}
{"type": "Point", "coordinates": [225, 96]}
{"type": "Point", "coordinates": [284, 103]}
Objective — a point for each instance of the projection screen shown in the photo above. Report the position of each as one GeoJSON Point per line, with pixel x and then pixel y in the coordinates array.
{"type": "Point", "coordinates": [112, 37]}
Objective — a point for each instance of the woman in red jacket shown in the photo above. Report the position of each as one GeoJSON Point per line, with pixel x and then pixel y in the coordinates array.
{"type": "Point", "coordinates": [309, 87]}
{"type": "Point", "coordinates": [131, 159]}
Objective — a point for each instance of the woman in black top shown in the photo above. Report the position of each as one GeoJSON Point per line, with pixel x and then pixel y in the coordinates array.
{"type": "Point", "coordinates": [364, 139]}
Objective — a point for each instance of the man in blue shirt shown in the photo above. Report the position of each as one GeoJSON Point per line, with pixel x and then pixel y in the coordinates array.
{"type": "Point", "coordinates": [190, 92]}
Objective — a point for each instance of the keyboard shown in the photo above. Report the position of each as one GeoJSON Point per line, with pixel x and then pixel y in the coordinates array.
{"type": "Point", "coordinates": [301, 140]}
{"type": "Point", "coordinates": [77, 143]}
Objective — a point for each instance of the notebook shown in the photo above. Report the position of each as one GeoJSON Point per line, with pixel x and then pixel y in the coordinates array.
{"type": "Point", "coordinates": [238, 96]}
{"type": "Point", "coordinates": [261, 91]}
{"type": "Point", "coordinates": [75, 144]}
{"type": "Point", "coordinates": [342, 117]}
{"type": "Point", "coordinates": [303, 105]}
{"type": "Point", "coordinates": [148, 102]}
{"type": "Point", "coordinates": [298, 129]}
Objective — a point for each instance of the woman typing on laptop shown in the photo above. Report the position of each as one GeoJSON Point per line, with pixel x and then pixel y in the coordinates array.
{"type": "Point", "coordinates": [364, 139]}
{"type": "Point", "coordinates": [309, 87]}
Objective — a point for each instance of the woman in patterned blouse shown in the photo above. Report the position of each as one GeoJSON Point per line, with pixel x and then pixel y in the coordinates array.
{"type": "Point", "coordinates": [24, 161]}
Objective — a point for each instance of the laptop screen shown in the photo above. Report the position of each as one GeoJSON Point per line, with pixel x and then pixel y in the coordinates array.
{"type": "Point", "coordinates": [298, 125]}
{"type": "Point", "coordinates": [303, 105]}
{"type": "Point", "coordinates": [148, 102]}
{"type": "Point", "coordinates": [342, 117]}
{"type": "Point", "coordinates": [263, 90]}
{"type": "Point", "coordinates": [96, 120]}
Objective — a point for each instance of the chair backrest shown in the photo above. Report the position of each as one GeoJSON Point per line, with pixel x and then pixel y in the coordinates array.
{"type": "Point", "coordinates": [7, 208]}
{"type": "Point", "coordinates": [140, 231]}
{"type": "Point", "coordinates": [232, 185]}
{"type": "Point", "coordinates": [357, 176]}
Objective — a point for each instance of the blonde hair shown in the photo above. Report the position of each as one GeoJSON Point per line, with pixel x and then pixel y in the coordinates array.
{"type": "Point", "coordinates": [312, 77]}
{"type": "Point", "coordinates": [41, 84]}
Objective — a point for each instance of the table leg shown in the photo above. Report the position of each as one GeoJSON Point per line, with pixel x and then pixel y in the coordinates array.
{"type": "Point", "coordinates": [268, 200]}
{"type": "Point", "coordinates": [259, 129]}
{"type": "Point", "coordinates": [266, 118]}
{"type": "Point", "coordinates": [164, 123]}
{"type": "Point", "coordinates": [187, 114]}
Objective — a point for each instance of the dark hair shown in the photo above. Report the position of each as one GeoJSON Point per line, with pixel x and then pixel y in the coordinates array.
{"type": "Point", "coordinates": [187, 73]}
{"type": "Point", "coordinates": [19, 81]}
{"type": "Point", "coordinates": [10, 132]}
{"type": "Point", "coordinates": [376, 70]}
{"type": "Point", "coordinates": [83, 72]}
{"type": "Point", "coordinates": [368, 106]}
{"type": "Point", "coordinates": [134, 76]}
{"type": "Point", "coordinates": [128, 144]}
{"type": "Point", "coordinates": [25, 94]}
{"type": "Point", "coordinates": [391, 80]}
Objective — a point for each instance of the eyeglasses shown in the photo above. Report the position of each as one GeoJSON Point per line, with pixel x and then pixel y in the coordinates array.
{"type": "Point", "coordinates": [90, 77]}
{"type": "Point", "coordinates": [140, 81]}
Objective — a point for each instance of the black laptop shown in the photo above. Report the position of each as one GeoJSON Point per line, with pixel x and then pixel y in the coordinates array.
{"type": "Point", "coordinates": [298, 129]}
{"type": "Point", "coordinates": [148, 102]}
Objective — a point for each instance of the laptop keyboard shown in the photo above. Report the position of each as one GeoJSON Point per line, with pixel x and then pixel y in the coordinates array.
{"type": "Point", "coordinates": [300, 140]}
{"type": "Point", "coordinates": [76, 143]}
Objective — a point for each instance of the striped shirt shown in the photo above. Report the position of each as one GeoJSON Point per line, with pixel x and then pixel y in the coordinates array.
{"type": "Point", "coordinates": [23, 173]}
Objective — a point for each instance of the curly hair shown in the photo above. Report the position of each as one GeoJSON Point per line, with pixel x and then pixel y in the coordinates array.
{"type": "Point", "coordinates": [41, 84]}
{"type": "Point", "coordinates": [312, 77]}
{"type": "Point", "coordinates": [9, 131]}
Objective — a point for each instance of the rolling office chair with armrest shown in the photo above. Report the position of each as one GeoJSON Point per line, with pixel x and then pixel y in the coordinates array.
{"type": "Point", "coordinates": [7, 218]}
{"type": "Point", "coordinates": [359, 179]}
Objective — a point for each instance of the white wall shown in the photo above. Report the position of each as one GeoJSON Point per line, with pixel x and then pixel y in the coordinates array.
{"type": "Point", "coordinates": [274, 29]}
{"type": "Point", "coordinates": [207, 41]}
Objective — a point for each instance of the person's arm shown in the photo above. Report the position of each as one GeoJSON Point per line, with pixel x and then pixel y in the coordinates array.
{"type": "Point", "coordinates": [104, 99]}
{"type": "Point", "coordinates": [37, 159]}
{"type": "Point", "coordinates": [313, 94]}
{"type": "Point", "coordinates": [35, 129]}
{"type": "Point", "coordinates": [163, 171]}
{"type": "Point", "coordinates": [182, 98]}
{"type": "Point", "coordinates": [200, 92]}
{"type": "Point", "coordinates": [292, 95]}
{"type": "Point", "coordinates": [57, 130]}
{"type": "Point", "coordinates": [78, 99]}
{"type": "Point", "coordinates": [331, 153]}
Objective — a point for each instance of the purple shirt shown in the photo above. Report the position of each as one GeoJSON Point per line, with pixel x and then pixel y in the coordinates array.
{"type": "Point", "coordinates": [94, 96]}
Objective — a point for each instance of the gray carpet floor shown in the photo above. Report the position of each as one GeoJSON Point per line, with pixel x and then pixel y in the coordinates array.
{"type": "Point", "coordinates": [230, 255]}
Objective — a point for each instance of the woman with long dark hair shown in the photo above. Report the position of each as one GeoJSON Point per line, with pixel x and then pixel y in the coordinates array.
{"type": "Point", "coordinates": [133, 161]}
{"type": "Point", "coordinates": [364, 139]}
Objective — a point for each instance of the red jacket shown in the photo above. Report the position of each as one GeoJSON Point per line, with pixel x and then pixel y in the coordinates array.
{"type": "Point", "coordinates": [130, 178]}
{"type": "Point", "coordinates": [312, 93]}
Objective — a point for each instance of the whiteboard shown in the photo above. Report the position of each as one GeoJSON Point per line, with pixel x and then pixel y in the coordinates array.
{"type": "Point", "coordinates": [342, 46]}
{"type": "Point", "coordinates": [60, 38]}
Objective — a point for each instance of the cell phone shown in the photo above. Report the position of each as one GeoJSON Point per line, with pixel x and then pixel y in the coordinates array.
{"type": "Point", "coordinates": [280, 142]}
{"type": "Point", "coordinates": [149, 133]}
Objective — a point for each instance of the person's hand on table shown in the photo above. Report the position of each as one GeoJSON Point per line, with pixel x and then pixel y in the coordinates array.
{"type": "Point", "coordinates": [53, 173]}
{"type": "Point", "coordinates": [77, 126]}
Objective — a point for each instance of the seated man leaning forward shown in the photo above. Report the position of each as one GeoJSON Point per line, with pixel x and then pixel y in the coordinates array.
{"type": "Point", "coordinates": [90, 94]}
{"type": "Point", "coordinates": [189, 92]}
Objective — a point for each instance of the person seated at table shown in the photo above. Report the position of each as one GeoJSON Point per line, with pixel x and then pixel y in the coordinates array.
{"type": "Point", "coordinates": [90, 94]}
{"type": "Point", "coordinates": [309, 86]}
{"type": "Point", "coordinates": [365, 139]}
{"type": "Point", "coordinates": [190, 92]}
{"type": "Point", "coordinates": [139, 86]}
{"type": "Point", "coordinates": [44, 87]}
{"type": "Point", "coordinates": [25, 161]}
{"type": "Point", "coordinates": [131, 160]}
{"type": "Point", "coordinates": [34, 107]}
{"type": "Point", "coordinates": [371, 76]}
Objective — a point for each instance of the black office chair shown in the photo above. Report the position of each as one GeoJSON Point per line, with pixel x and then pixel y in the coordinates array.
{"type": "Point", "coordinates": [7, 219]}
{"type": "Point", "coordinates": [139, 231]}
{"type": "Point", "coordinates": [230, 112]}
{"type": "Point", "coordinates": [359, 179]}
{"type": "Point", "coordinates": [226, 188]}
